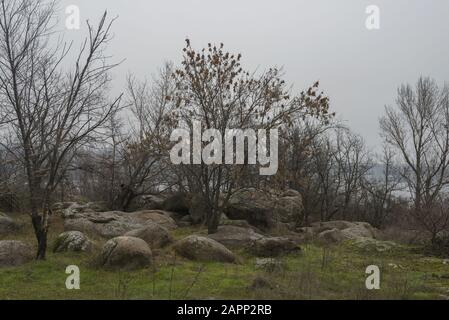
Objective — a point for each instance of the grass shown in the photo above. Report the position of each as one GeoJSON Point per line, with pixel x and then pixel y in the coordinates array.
{"type": "Point", "coordinates": [315, 273]}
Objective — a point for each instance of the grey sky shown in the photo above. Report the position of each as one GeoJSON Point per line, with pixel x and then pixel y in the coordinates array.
{"type": "Point", "coordinates": [322, 40]}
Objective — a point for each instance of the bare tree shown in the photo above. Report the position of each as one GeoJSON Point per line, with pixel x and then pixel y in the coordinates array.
{"type": "Point", "coordinates": [379, 201]}
{"type": "Point", "coordinates": [51, 113]}
{"type": "Point", "coordinates": [418, 130]}
{"type": "Point", "coordinates": [353, 163]}
{"type": "Point", "coordinates": [298, 161]}
{"type": "Point", "coordinates": [144, 154]}
{"type": "Point", "coordinates": [333, 172]}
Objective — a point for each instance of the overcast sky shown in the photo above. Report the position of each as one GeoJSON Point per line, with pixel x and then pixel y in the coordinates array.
{"type": "Point", "coordinates": [322, 40]}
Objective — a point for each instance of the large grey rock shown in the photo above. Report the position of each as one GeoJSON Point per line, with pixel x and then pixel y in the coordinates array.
{"type": "Point", "coordinates": [269, 264]}
{"type": "Point", "coordinates": [126, 253]}
{"type": "Point", "coordinates": [154, 234]}
{"type": "Point", "coordinates": [265, 210]}
{"type": "Point", "coordinates": [177, 202]}
{"type": "Point", "coordinates": [14, 253]}
{"type": "Point", "coordinates": [7, 225]}
{"type": "Point", "coordinates": [203, 249]}
{"type": "Point", "coordinates": [356, 229]}
{"type": "Point", "coordinates": [71, 209]}
{"type": "Point", "coordinates": [225, 221]}
{"type": "Point", "coordinates": [360, 230]}
{"type": "Point", "coordinates": [147, 202]}
{"type": "Point", "coordinates": [235, 237]}
{"type": "Point", "coordinates": [373, 245]}
{"type": "Point", "coordinates": [274, 247]}
{"type": "Point", "coordinates": [72, 241]}
{"type": "Point", "coordinates": [116, 223]}
{"type": "Point", "coordinates": [328, 225]}
{"type": "Point", "coordinates": [332, 236]}
{"type": "Point", "coordinates": [333, 232]}
{"type": "Point", "coordinates": [162, 218]}
{"type": "Point", "coordinates": [197, 208]}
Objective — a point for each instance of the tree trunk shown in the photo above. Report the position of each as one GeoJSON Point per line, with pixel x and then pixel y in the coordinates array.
{"type": "Point", "coordinates": [124, 199]}
{"type": "Point", "coordinates": [213, 220]}
{"type": "Point", "coordinates": [41, 231]}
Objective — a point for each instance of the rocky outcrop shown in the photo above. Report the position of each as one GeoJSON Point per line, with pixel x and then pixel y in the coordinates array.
{"type": "Point", "coordinates": [115, 223]}
{"type": "Point", "coordinates": [7, 225]}
{"type": "Point", "coordinates": [126, 253]}
{"type": "Point", "coordinates": [72, 241]}
{"type": "Point", "coordinates": [14, 253]}
{"type": "Point", "coordinates": [266, 210]}
{"type": "Point", "coordinates": [273, 247]}
{"type": "Point", "coordinates": [154, 234]}
{"type": "Point", "coordinates": [203, 249]}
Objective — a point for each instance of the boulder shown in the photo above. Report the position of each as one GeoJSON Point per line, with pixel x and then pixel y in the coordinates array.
{"type": "Point", "coordinates": [306, 234]}
{"type": "Point", "coordinates": [126, 253]}
{"type": "Point", "coordinates": [177, 202]}
{"type": "Point", "coordinates": [333, 232]}
{"type": "Point", "coordinates": [251, 205]}
{"type": "Point", "coordinates": [373, 245]}
{"type": "Point", "coordinates": [291, 193]}
{"type": "Point", "coordinates": [7, 224]}
{"type": "Point", "coordinates": [184, 221]}
{"type": "Point", "coordinates": [269, 265]}
{"type": "Point", "coordinates": [203, 249]}
{"type": "Point", "coordinates": [225, 221]}
{"type": "Point", "coordinates": [197, 209]}
{"type": "Point", "coordinates": [235, 237]}
{"type": "Point", "coordinates": [265, 210]}
{"type": "Point", "coordinates": [273, 247]}
{"type": "Point", "coordinates": [159, 217]}
{"type": "Point", "coordinates": [332, 236]}
{"type": "Point", "coordinates": [72, 241]}
{"type": "Point", "coordinates": [71, 209]}
{"type": "Point", "coordinates": [154, 234]}
{"type": "Point", "coordinates": [14, 253]}
{"type": "Point", "coordinates": [319, 227]}
{"type": "Point", "coordinates": [116, 223]}
{"type": "Point", "coordinates": [147, 202]}
{"type": "Point", "coordinates": [360, 230]}
{"type": "Point", "coordinates": [289, 208]}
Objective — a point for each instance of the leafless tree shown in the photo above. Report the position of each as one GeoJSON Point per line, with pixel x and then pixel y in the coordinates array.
{"type": "Point", "coordinates": [353, 163]}
{"type": "Point", "coordinates": [144, 154]}
{"type": "Point", "coordinates": [380, 198]}
{"type": "Point", "coordinates": [417, 129]}
{"type": "Point", "coordinates": [51, 112]}
{"type": "Point", "coordinates": [333, 173]}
